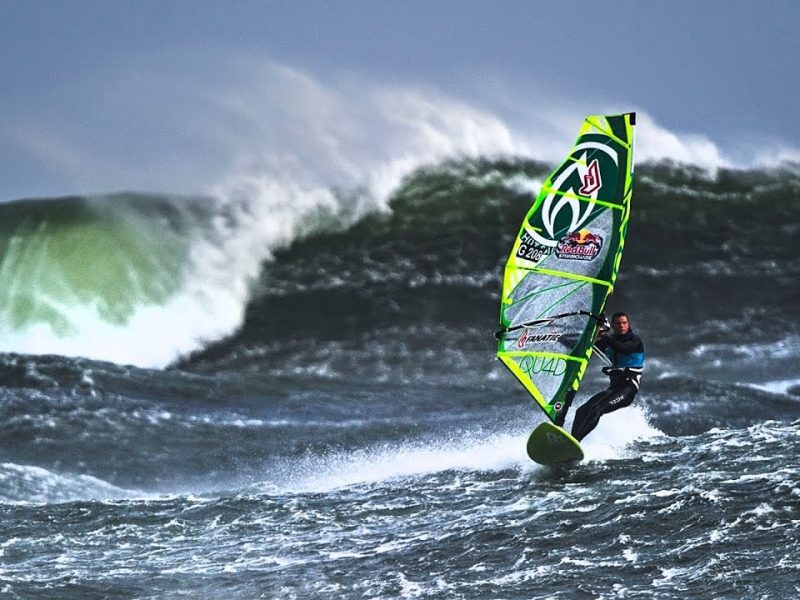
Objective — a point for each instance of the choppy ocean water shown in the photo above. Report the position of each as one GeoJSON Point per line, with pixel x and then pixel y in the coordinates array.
{"type": "Point", "coordinates": [356, 438]}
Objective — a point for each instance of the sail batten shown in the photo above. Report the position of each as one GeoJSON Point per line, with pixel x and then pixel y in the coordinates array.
{"type": "Point", "coordinates": [564, 194]}
{"type": "Point", "coordinates": [564, 263]}
{"type": "Point", "coordinates": [573, 276]}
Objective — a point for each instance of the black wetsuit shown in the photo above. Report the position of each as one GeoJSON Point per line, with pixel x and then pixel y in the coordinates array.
{"type": "Point", "coordinates": [626, 353]}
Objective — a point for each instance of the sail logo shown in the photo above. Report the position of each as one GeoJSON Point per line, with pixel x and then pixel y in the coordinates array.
{"type": "Point", "coordinates": [529, 338]}
{"type": "Point", "coordinates": [561, 209]}
{"type": "Point", "coordinates": [547, 365]}
{"type": "Point", "coordinates": [591, 180]}
{"type": "Point", "coordinates": [580, 245]}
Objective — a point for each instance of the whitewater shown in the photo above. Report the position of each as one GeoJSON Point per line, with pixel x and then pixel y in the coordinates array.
{"type": "Point", "coordinates": [285, 387]}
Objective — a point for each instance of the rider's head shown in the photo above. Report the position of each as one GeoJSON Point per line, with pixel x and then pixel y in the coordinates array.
{"type": "Point", "coordinates": [619, 323]}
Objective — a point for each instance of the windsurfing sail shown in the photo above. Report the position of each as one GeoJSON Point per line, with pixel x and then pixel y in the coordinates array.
{"type": "Point", "coordinates": [564, 263]}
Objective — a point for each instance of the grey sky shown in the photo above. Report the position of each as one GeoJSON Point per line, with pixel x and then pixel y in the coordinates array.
{"type": "Point", "coordinates": [723, 70]}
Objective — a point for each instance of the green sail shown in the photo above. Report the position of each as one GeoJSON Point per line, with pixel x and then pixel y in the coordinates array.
{"type": "Point", "coordinates": [564, 263]}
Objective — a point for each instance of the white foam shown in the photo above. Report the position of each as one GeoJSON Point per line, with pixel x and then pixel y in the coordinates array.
{"type": "Point", "coordinates": [654, 142]}
{"type": "Point", "coordinates": [31, 484]}
{"type": "Point", "coordinates": [153, 336]}
{"type": "Point", "coordinates": [615, 431]}
{"type": "Point", "coordinates": [470, 452]}
{"type": "Point", "coordinates": [387, 462]}
{"type": "Point", "coordinates": [780, 386]}
{"type": "Point", "coordinates": [769, 155]}
{"type": "Point", "coordinates": [788, 347]}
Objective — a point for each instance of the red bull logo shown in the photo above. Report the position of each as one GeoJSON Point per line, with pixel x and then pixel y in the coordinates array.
{"type": "Point", "coordinates": [580, 245]}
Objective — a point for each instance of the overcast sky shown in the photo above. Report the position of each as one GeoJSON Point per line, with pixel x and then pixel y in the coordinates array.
{"type": "Point", "coordinates": [172, 96]}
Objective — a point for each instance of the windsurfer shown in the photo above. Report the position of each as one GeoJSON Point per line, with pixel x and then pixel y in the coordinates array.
{"type": "Point", "coordinates": [625, 351]}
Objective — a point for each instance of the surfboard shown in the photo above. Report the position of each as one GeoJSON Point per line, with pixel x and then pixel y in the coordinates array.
{"type": "Point", "coordinates": [561, 270]}
{"type": "Point", "coordinates": [549, 444]}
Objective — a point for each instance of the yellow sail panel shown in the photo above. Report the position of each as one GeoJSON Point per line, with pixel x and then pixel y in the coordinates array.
{"type": "Point", "coordinates": [540, 372]}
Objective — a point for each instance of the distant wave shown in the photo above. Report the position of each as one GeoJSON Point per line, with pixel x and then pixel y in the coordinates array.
{"type": "Point", "coordinates": [148, 279]}
{"type": "Point", "coordinates": [127, 277]}
{"type": "Point", "coordinates": [427, 274]}
{"type": "Point", "coordinates": [288, 158]}
{"type": "Point", "coordinates": [145, 279]}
